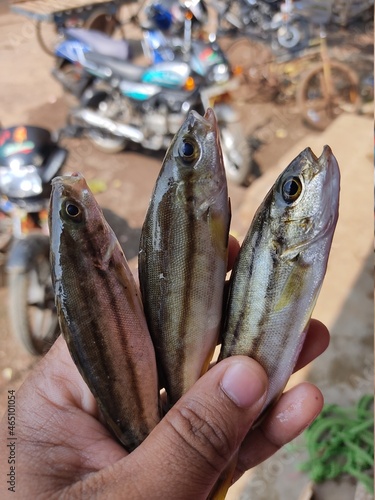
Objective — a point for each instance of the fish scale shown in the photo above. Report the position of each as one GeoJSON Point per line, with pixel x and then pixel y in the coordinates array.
{"type": "Point", "coordinates": [100, 312]}
{"type": "Point", "coordinates": [183, 254]}
{"type": "Point", "coordinates": [280, 268]}
{"type": "Point", "coordinates": [278, 273]}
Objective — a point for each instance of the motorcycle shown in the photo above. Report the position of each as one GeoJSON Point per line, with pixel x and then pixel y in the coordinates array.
{"type": "Point", "coordinates": [29, 159]}
{"type": "Point", "coordinates": [147, 105]}
{"type": "Point", "coordinates": [161, 32]}
{"type": "Point", "coordinates": [284, 29]}
{"type": "Point", "coordinates": [70, 56]}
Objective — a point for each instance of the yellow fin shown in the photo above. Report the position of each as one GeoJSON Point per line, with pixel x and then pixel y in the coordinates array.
{"type": "Point", "coordinates": [293, 288]}
{"type": "Point", "coordinates": [219, 229]}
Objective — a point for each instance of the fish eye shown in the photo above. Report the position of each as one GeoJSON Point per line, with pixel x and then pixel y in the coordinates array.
{"type": "Point", "coordinates": [291, 189]}
{"type": "Point", "coordinates": [73, 212]}
{"type": "Point", "coordinates": [188, 150]}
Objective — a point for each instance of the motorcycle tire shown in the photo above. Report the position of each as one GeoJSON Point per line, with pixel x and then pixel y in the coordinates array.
{"type": "Point", "coordinates": [318, 109]}
{"type": "Point", "coordinates": [237, 153]}
{"type": "Point", "coordinates": [32, 312]}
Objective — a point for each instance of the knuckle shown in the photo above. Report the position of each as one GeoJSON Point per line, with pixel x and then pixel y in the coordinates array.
{"type": "Point", "coordinates": [203, 434]}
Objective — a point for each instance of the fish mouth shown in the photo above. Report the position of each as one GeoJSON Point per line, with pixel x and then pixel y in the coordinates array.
{"type": "Point", "coordinates": [325, 164]}
{"type": "Point", "coordinates": [326, 154]}
{"type": "Point", "coordinates": [328, 163]}
{"type": "Point", "coordinates": [326, 214]}
{"type": "Point", "coordinates": [310, 155]}
{"type": "Point", "coordinates": [72, 178]}
{"type": "Point", "coordinates": [210, 117]}
{"type": "Point", "coordinates": [208, 120]}
{"type": "Point", "coordinates": [326, 159]}
{"type": "Point", "coordinates": [329, 166]}
{"type": "Point", "coordinates": [68, 186]}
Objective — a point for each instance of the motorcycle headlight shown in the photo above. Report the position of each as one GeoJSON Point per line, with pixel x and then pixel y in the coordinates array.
{"type": "Point", "coordinates": [20, 181]}
{"type": "Point", "coordinates": [220, 73]}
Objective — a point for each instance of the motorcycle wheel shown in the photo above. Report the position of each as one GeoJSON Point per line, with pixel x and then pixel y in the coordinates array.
{"type": "Point", "coordinates": [317, 107]}
{"type": "Point", "coordinates": [32, 311]}
{"type": "Point", "coordinates": [236, 153]}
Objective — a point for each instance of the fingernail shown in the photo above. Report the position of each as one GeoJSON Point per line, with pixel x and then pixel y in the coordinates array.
{"type": "Point", "coordinates": [244, 384]}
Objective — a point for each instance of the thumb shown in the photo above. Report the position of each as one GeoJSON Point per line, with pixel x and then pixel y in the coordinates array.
{"type": "Point", "coordinates": [185, 454]}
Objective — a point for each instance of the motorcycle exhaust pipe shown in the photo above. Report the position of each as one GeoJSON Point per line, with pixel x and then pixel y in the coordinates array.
{"type": "Point", "coordinates": [91, 118]}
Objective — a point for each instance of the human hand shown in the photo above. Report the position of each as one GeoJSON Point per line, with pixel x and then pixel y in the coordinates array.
{"type": "Point", "coordinates": [64, 450]}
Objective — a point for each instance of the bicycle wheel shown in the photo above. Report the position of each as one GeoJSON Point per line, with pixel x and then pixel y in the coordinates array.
{"type": "Point", "coordinates": [100, 20]}
{"type": "Point", "coordinates": [319, 107]}
{"type": "Point", "coordinates": [251, 58]}
{"type": "Point", "coordinates": [47, 36]}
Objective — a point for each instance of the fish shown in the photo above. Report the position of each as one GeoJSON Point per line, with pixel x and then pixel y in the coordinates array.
{"type": "Point", "coordinates": [183, 254]}
{"type": "Point", "coordinates": [100, 312]}
{"type": "Point", "coordinates": [280, 268]}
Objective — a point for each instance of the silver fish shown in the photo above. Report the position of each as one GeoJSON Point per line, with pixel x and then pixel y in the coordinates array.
{"type": "Point", "coordinates": [100, 312]}
{"type": "Point", "coordinates": [183, 254]}
{"type": "Point", "coordinates": [281, 266]}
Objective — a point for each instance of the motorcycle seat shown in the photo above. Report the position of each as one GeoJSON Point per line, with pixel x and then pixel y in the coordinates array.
{"type": "Point", "coordinates": [100, 42]}
{"type": "Point", "coordinates": [121, 69]}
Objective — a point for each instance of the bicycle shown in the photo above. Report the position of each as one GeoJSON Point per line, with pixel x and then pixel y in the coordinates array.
{"type": "Point", "coordinates": [100, 15]}
{"type": "Point", "coordinates": [327, 89]}
{"type": "Point", "coordinates": [264, 76]}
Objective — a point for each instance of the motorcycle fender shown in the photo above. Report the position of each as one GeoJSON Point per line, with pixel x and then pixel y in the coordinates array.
{"type": "Point", "coordinates": [72, 50]}
{"type": "Point", "coordinates": [26, 251]}
{"type": "Point", "coordinates": [54, 164]}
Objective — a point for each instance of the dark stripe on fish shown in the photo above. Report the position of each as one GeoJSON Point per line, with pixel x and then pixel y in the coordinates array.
{"type": "Point", "coordinates": [103, 355]}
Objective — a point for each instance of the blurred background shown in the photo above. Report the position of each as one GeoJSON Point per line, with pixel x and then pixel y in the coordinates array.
{"type": "Point", "coordinates": [101, 88]}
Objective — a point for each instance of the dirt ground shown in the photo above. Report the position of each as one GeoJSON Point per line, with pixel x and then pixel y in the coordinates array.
{"type": "Point", "coordinates": [29, 95]}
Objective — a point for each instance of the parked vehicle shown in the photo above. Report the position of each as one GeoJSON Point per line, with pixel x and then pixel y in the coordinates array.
{"type": "Point", "coordinates": [71, 56]}
{"type": "Point", "coordinates": [53, 17]}
{"type": "Point", "coordinates": [328, 87]}
{"type": "Point", "coordinates": [29, 159]}
{"type": "Point", "coordinates": [176, 10]}
{"type": "Point", "coordinates": [162, 37]}
{"type": "Point", "coordinates": [147, 105]}
{"type": "Point", "coordinates": [283, 29]}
